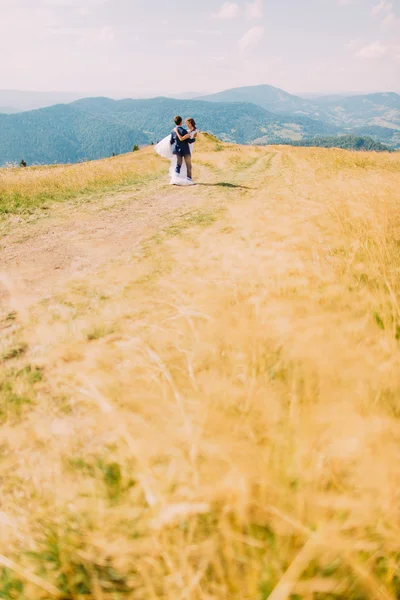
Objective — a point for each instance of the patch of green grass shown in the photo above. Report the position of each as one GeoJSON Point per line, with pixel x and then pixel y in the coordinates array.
{"type": "Point", "coordinates": [99, 332]}
{"type": "Point", "coordinates": [112, 476]}
{"type": "Point", "coordinates": [14, 351]}
{"type": "Point", "coordinates": [175, 229]}
{"type": "Point", "coordinates": [11, 402]}
{"type": "Point", "coordinates": [32, 374]}
{"type": "Point", "coordinates": [157, 239]}
{"type": "Point", "coordinates": [109, 474]}
{"type": "Point", "coordinates": [203, 218]}
{"type": "Point", "coordinates": [53, 563]}
{"type": "Point", "coordinates": [10, 586]}
{"type": "Point", "coordinates": [243, 165]}
{"type": "Point", "coordinates": [80, 464]}
{"type": "Point", "coordinates": [200, 217]}
{"type": "Point", "coordinates": [379, 320]}
{"type": "Point", "coordinates": [17, 390]}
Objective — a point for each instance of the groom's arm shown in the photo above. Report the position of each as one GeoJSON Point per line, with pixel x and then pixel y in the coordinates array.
{"type": "Point", "coordinates": [181, 137]}
{"type": "Point", "coordinates": [172, 140]}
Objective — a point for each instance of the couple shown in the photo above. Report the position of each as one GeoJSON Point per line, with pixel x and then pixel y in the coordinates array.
{"type": "Point", "coordinates": [178, 148]}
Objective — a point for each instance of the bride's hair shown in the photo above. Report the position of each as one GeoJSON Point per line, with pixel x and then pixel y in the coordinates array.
{"type": "Point", "coordinates": [191, 122]}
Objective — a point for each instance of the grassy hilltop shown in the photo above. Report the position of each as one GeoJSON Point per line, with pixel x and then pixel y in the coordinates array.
{"type": "Point", "coordinates": [199, 388]}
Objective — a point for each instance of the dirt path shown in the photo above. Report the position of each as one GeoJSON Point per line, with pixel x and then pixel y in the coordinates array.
{"type": "Point", "coordinates": [73, 240]}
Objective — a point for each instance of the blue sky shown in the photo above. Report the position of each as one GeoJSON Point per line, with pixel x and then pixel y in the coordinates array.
{"type": "Point", "coordinates": [150, 47]}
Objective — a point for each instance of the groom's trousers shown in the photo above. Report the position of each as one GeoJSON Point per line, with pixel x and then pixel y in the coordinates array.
{"type": "Point", "coordinates": [188, 161]}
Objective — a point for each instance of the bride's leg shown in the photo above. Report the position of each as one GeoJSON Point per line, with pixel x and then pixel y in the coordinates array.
{"type": "Point", "coordinates": [188, 161]}
{"type": "Point", "coordinates": [183, 174]}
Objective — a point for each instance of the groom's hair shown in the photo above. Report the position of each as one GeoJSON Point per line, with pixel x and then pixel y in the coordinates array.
{"type": "Point", "coordinates": [178, 120]}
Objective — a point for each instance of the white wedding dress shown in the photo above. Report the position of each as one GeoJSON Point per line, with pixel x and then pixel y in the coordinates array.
{"type": "Point", "coordinates": [165, 149]}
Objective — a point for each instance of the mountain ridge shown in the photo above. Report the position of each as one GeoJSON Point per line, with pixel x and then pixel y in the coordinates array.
{"type": "Point", "coordinates": [96, 127]}
{"type": "Point", "coordinates": [379, 108]}
{"type": "Point", "coordinates": [267, 96]}
{"type": "Point", "coordinates": [92, 128]}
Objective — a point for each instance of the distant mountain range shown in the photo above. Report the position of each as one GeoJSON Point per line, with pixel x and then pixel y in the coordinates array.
{"type": "Point", "coordinates": [347, 142]}
{"type": "Point", "coordinates": [98, 127]}
{"type": "Point", "coordinates": [382, 110]}
{"type": "Point", "coordinates": [268, 97]}
{"type": "Point", "coordinates": [345, 111]}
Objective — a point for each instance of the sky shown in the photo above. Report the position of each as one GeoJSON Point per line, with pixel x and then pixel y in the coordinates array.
{"type": "Point", "coordinates": [142, 48]}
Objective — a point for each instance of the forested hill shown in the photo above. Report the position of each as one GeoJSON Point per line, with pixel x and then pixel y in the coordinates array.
{"type": "Point", "coordinates": [379, 109]}
{"type": "Point", "coordinates": [347, 142]}
{"type": "Point", "coordinates": [266, 96]}
{"type": "Point", "coordinates": [62, 134]}
{"type": "Point", "coordinates": [95, 128]}
{"type": "Point", "coordinates": [98, 127]}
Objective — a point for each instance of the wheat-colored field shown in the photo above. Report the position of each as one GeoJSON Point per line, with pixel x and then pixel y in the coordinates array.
{"type": "Point", "coordinates": [29, 189]}
{"type": "Point", "coordinates": [217, 416]}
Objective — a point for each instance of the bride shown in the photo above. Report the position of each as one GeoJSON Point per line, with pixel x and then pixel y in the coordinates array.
{"type": "Point", "coordinates": [165, 149]}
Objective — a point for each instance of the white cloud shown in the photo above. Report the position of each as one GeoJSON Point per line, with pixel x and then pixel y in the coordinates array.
{"type": "Point", "coordinates": [389, 17]}
{"type": "Point", "coordinates": [382, 6]}
{"type": "Point", "coordinates": [375, 50]}
{"type": "Point", "coordinates": [251, 38]}
{"type": "Point", "coordinates": [229, 10]}
{"type": "Point", "coordinates": [344, 2]}
{"type": "Point", "coordinates": [391, 20]}
{"type": "Point", "coordinates": [254, 10]}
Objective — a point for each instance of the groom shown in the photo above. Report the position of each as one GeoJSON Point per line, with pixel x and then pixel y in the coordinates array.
{"type": "Point", "coordinates": [182, 149]}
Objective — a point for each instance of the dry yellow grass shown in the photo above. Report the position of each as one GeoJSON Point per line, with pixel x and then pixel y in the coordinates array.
{"type": "Point", "coordinates": [24, 190]}
{"type": "Point", "coordinates": [219, 416]}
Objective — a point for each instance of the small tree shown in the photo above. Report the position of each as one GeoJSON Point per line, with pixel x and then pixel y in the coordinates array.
{"type": "Point", "coordinates": [22, 163]}
{"type": "Point", "coordinates": [135, 148]}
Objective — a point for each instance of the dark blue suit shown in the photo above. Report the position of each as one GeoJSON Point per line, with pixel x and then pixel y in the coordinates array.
{"type": "Point", "coordinates": [180, 148]}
